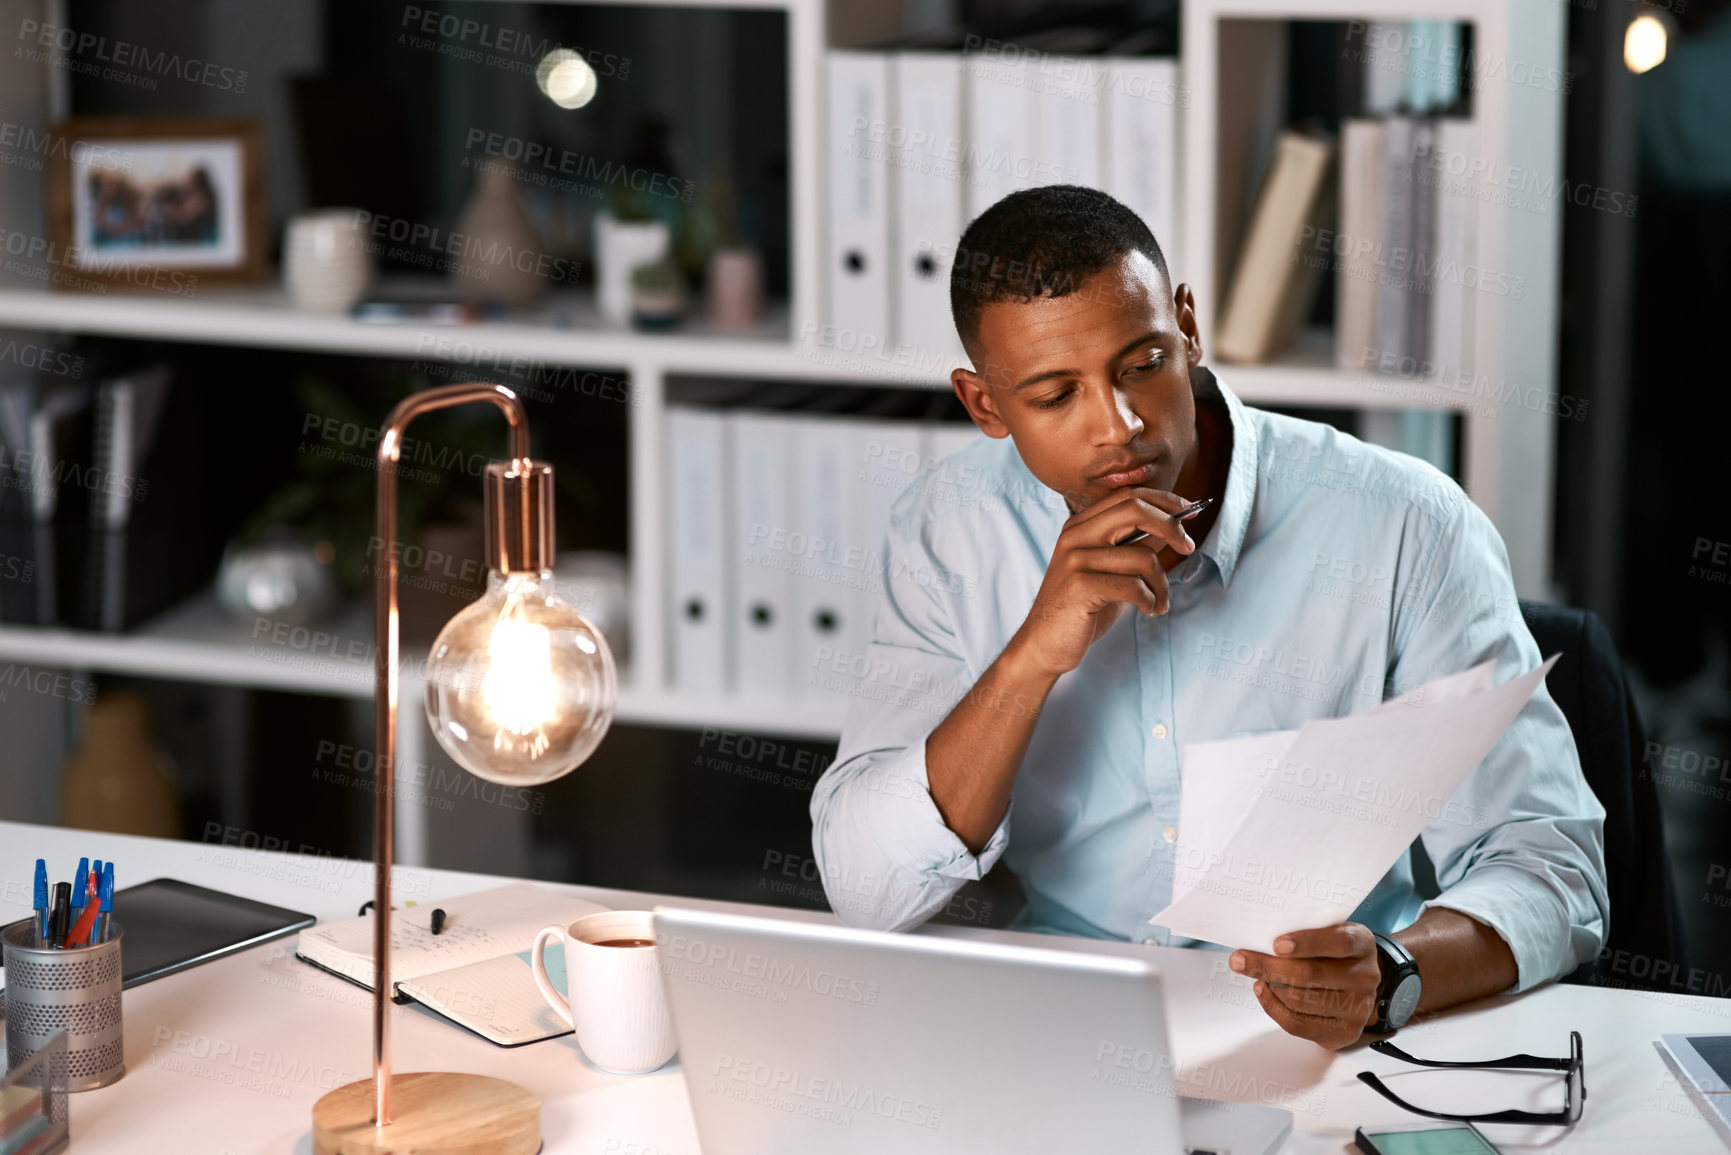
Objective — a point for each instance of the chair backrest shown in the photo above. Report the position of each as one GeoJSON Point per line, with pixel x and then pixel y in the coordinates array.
{"type": "Point", "coordinates": [1588, 684]}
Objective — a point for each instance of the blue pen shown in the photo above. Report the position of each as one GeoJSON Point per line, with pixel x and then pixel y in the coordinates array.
{"type": "Point", "coordinates": [105, 894]}
{"type": "Point", "coordinates": [41, 903]}
{"type": "Point", "coordinates": [79, 886]}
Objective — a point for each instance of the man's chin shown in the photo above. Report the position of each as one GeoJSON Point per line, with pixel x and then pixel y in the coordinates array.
{"type": "Point", "coordinates": [1089, 494]}
{"type": "Point", "coordinates": [1084, 496]}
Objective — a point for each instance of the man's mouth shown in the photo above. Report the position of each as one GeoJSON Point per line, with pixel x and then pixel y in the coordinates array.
{"type": "Point", "coordinates": [1140, 474]}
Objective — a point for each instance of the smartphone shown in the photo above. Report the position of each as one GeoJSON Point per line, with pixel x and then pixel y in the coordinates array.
{"type": "Point", "coordinates": [1424, 1139]}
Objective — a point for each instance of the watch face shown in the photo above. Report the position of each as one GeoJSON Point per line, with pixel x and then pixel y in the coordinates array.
{"type": "Point", "coordinates": [1403, 1001]}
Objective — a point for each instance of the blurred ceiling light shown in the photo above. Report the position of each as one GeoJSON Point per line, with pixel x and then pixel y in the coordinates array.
{"type": "Point", "coordinates": [566, 78]}
{"type": "Point", "coordinates": [1644, 43]}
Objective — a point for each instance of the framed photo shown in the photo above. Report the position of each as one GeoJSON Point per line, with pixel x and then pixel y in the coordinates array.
{"type": "Point", "coordinates": [158, 203]}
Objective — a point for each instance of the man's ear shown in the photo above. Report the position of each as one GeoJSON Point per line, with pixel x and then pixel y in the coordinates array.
{"type": "Point", "coordinates": [1184, 301]}
{"type": "Point", "coordinates": [977, 396]}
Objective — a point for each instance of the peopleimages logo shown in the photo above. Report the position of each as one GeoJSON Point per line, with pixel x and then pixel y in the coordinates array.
{"type": "Point", "coordinates": [122, 56]}
{"type": "Point", "coordinates": [63, 264]}
{"type": "Point", "coordinates": [773, 971]}
{"type": "Point", "coordinates": [801, 1094]}
{"type": "Point", "coordinates": [25, 146]}
{"type": "Point", "coordinates": [495, 44]}
{"type": "Point", "coordinates": [431, 246]}
{"type": "Point", "coordinates": [540, 160]}
{"type": "Point", "coordinates": [42, 359]}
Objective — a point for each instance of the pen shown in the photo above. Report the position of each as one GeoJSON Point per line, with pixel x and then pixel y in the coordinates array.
{"type": "Point", "coordinates": [1184, 514]}
{"type": "Point", "coordinates": [79, 935]}
{"type": "Point", "coordinates": [438, 921]}
{"type": "Point", "coordinates": [79, 882]}
{"type": "Point", "coordinates": [59, 914]}
{"type": "Point", "coordinates": [106, 894]}
{"type": "Point", "coordinates": [41, 904]}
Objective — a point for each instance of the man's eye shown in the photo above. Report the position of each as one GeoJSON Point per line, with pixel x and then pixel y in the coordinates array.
{"type": "Point", "coordinates": [1053, 401]}
{"type": "Point", "coordinates": [1147, 368]}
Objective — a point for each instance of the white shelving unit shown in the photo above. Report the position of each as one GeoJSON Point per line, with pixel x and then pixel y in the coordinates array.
{"type": "Point", "coordinates": [1507, 457]}
{"type": "Point", "coordinates": [195, 642]}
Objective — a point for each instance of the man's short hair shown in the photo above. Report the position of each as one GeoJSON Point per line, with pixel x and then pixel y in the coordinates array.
{"type": "Point", "coordinates": [1041, 241]}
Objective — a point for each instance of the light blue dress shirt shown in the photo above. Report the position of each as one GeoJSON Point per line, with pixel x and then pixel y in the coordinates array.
{"type": "Point", "coordinates": [1336, 575]}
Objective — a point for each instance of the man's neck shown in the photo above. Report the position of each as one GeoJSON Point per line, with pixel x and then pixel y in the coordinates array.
{"type": "Point", "coordinates": [1204, 475]}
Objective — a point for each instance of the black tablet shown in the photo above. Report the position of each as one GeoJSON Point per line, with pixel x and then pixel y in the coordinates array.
{"type": "Point", "coordinates": [172, 925]}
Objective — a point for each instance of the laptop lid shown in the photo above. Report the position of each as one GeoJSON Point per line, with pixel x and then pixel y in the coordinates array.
{"type": "Point", "coordinates": [800, 1037]}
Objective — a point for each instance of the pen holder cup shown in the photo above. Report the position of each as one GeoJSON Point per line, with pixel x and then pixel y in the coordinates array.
{"type": "Point", "coordinates": [76, 990]}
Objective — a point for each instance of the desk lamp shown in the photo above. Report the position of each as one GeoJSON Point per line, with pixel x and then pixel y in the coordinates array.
{"type": "Point", "coordinates": [520, 690]}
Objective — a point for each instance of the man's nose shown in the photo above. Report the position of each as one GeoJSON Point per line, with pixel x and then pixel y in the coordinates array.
{"type": "Point", "coordinates": [1115, 422]}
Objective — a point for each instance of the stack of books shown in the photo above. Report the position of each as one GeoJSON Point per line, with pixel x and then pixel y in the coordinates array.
{"type": "Point", "coordinates": [1408, 274]}
{"type": "Point", "coordinates": [1389, 208]}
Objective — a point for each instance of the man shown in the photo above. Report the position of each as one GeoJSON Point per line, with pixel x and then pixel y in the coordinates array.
{"type": "Point", "coordinates": [1034, 682]}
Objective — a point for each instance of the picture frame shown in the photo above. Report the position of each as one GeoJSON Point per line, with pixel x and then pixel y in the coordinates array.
{"type": "Point", "coordinates": [158, 203]}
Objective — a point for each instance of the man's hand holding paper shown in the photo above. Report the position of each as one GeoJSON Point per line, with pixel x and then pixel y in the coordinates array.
{"type": "Point", "coordinates": [1289, 831]}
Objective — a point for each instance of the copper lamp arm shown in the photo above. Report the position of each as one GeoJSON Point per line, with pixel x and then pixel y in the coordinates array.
{"type": "Point", "coordinates": [385, 687]}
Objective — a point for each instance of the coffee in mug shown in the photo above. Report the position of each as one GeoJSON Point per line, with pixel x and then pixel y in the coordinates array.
{"type": "Point", "coordinates": [614, 1001]}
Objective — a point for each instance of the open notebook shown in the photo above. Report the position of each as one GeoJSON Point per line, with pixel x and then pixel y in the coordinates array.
{"type": "Point", "coordinates": [476, 973]}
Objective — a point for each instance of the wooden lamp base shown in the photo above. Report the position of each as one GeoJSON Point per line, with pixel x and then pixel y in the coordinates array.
{"type": "Point", "coordinates": [432, 1113]}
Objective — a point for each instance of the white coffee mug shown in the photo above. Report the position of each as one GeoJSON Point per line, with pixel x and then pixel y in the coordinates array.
{"type": "Point", "coordinates": [615, 1001]}
{"type": "Point", "coordinates": [327, 261]}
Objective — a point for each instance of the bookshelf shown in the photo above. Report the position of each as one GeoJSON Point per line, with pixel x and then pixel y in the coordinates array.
{"type": "Point", "coordinates": [1234, 54]}
{"type": "Point", "coordinates": [1507, 454]}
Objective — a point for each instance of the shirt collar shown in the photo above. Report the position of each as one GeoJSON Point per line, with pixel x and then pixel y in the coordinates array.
{"type": "Point", "coordinates": [1225, 541]}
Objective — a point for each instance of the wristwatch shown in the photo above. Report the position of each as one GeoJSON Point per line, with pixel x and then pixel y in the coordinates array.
{"type": "Point", "coordinates": [1397, 994]}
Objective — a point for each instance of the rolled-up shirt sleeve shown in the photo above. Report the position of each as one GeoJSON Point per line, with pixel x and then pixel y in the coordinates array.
{"type": "Point", "coordinates": [887, 859]}
{"type": "Point", "coordinates": [1520, 847]}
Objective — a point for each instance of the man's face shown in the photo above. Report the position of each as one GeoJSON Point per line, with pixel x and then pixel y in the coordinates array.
{"type": "Point", "coordinates": [1093, 387]}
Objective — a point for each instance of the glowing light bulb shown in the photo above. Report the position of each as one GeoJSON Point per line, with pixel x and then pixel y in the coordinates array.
{"type": "Point", "coordinates": [1644, 43]}
{"type": "Point", "coordinates": [520, 687]}
{"type": "Point", "coordinates": [566, 78]}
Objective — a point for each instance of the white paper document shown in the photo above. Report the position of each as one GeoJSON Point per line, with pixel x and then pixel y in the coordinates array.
{"type": "Point", "coordinates": [1292, 829]}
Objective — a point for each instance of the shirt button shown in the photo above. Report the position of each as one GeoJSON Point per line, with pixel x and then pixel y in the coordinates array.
{"type": "Point", "coordinates": [1160, 730]}
{"type": "Point", "coordinates": [1170, 834]}
{"type": "Point", "coordinates": [1150, 942]}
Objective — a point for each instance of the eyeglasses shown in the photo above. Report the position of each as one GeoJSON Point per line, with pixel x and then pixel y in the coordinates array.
{"type": "Point", "coordinates": [1574, 1066]}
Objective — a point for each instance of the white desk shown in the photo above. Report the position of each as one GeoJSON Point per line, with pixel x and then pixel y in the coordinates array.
{"type": "Point", "coordinates": [244, 1046]}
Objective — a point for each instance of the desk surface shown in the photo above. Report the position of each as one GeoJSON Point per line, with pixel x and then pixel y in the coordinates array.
{"type": "Point", "coordinates": [244, 1046]}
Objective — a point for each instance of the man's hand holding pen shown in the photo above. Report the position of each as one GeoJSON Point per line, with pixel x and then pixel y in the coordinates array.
{"type": "Point", "coordinates": [1107, 555]}
{"type": "Point", "coordinates": [973, 755]}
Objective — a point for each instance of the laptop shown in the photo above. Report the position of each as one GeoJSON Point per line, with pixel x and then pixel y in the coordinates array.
{"type": "Point", "coordinates": [810, 1039]}
{"type": "Point", "coordinates": [1702, 1065]}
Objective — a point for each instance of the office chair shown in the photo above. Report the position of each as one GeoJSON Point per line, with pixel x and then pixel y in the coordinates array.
{"type": "Point", "coordinates": [1588, 684]}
